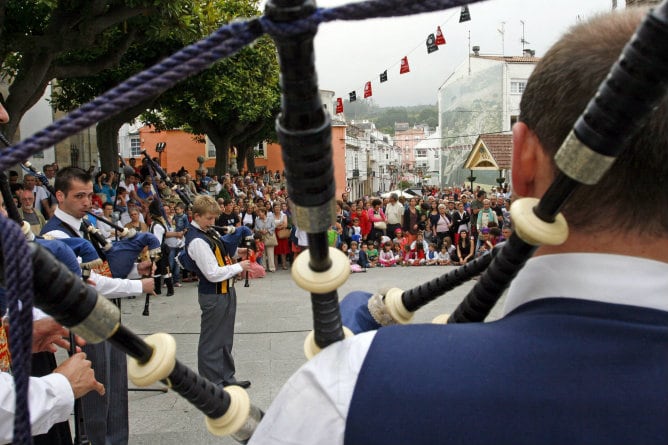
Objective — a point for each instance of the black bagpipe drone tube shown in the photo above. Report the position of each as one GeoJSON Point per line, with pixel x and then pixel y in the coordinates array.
{"type": "Point", "coordinates": [635, 85]}
{"type": "Point", "coordinates": [124, 231]}
{"type": "Point", "coordinates": [72, 303]}
{"type": "Point", "coordinates": [304, 132]}
{"type": "Point", "coordinates": [165, 177]}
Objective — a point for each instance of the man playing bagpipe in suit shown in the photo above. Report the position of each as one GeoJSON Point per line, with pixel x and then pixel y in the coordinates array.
{"type": "Point", "coordinates": [579, 355]}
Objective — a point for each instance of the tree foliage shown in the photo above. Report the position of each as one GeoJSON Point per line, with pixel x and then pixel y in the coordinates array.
{"type": "Point", "coordinates": [42, 40]}
{"type": "Point", "coordinates": [234, 102]}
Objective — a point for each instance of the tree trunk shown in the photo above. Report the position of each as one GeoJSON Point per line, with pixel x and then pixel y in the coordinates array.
{"type": "Point", "coordinates": [107, 134]}
{"type": "Point", "coordinates": [222, 139]}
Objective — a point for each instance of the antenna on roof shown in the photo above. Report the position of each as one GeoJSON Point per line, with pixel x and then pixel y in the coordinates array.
{"type": "Point", "coordinates": [502, 31]}
{"type": "Point", "coordinates": [523, 40]}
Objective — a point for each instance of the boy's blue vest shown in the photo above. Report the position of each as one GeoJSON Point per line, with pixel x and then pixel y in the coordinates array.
{"type": "Point", "coordinates": [217, 247]}
{"type": "Point", "coordinates": [554, 371]}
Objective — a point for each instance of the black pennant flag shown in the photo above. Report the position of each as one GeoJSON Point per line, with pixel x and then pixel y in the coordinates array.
{"type": "Point", "coordinates": [465, 15]}
{"type": "Point", "coordinates": [383, 76]}
{"type": "Point", "coordinates": [353, 96]}
{"type": "Point", "coordinates": [431, 44]}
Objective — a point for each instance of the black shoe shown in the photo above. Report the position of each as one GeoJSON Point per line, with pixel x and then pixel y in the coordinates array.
{"type": "Point", "coordinates": [243, 383]}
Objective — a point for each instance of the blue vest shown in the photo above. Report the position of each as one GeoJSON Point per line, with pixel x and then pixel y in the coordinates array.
{"type": "Point", "coordinates": [56, 224]}
{"type": "Point", "coordinates": [205, 286]}
{"type": "Point", "coordinates": [555, 371]}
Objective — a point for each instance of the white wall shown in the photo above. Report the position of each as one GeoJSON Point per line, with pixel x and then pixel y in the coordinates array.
{"type": "Point", "coordinates": [34, 120]}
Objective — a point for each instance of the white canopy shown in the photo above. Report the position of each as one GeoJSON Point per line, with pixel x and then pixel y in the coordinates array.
{"type": "Point", "coordinates": [403, 193]}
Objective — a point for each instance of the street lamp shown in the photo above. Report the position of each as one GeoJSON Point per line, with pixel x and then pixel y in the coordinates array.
{"type": "Point", "coordinates": [159, 148]}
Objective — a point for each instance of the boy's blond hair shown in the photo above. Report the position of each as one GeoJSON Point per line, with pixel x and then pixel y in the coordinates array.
{"type": "Point", "coordinates": [205, 204]}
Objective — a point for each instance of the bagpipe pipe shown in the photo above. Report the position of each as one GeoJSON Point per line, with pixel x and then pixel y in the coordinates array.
{"type": "Point", "coordinates": [165, 177]}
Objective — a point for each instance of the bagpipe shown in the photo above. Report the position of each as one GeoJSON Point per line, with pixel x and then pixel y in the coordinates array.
{"type": "Point", "coordinates": [175, 188]}
{"type": "Point", "coordinates": [634, 86]}
{"type": "Point", "coordinates": [121, 255]}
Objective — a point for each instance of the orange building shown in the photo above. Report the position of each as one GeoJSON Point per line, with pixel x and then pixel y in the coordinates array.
{"type": "Point", "coordinates": [182, 150]}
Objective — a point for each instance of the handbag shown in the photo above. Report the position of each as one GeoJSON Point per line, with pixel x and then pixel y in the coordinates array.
{"type": "Point", "coordinates": [283, 233]}
{"type": "Point", "coordinates": [380, 225]}
{"type": "Point", "coordinates": [270, 240]}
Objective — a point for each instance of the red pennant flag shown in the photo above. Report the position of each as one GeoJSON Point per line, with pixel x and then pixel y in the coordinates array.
{"type": "Point", "coordinates": [339, 105]}
{"type": "Point", "coordinates": [367, 90]}
{"type": "Point", "coordinates": [404, 66]}
{"type": "Point", "coordinates": [440, 40]}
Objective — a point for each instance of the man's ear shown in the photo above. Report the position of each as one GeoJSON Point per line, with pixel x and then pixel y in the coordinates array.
{"type": "Point", "coordinates": [60, 196]}
{"type": "Point", "coordinates": [528, 159]}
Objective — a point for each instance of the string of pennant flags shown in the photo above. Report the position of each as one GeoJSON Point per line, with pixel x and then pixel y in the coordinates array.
{"type": "Point", "coordinates": [434, 40]}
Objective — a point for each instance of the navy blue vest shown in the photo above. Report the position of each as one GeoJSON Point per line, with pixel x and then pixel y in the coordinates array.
{"type": "Point", "coordinates": [205, 286]}
{"type": "Point", "coordinates": [56, 224]}
{"type": "Point", "coordinates": [555, 371]}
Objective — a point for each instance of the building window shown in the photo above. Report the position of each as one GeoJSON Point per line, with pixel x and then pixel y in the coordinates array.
{"type": "Point", "coordinates": [210, 149]}
{"type": "Point", "coordinates": [135, 146]}
{"type": "Point", "coordinates": [517, 86]}
{"type": "Point", "coordinates": [421, 153]}
{"type": "Point", "coordinates": [261, 152]}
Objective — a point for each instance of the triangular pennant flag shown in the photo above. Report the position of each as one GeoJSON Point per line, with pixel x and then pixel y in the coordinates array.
{"type": "Point", "coordinates": [465, 15]}
{"type": "Point", "coordinates": [339, 105]}
{"type": "Point", "coordinates": [431, 44]}
{"type": "Point", "coordinates": [440, 40]}
{"type": "Point", "coordinates": [383, 76]}
{"type": "Point", "coordinates": [353, 96]}
{"type": "Point", "coordinates": [404, 66]}
{"type": "Point", "coordinates": [367, 90]}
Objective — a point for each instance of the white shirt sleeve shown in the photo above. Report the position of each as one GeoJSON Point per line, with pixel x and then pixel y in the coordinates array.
{"type": "Point", "coordinates": [313, 405]}
{"type": "Point", "coordinates": [159, 232]}
{"type": "Point", "coordinates": [115, 287]}
{"type": "Point", "coordinates": [201, 254]}
{"type": "Point", "coordinates": [50, 399]}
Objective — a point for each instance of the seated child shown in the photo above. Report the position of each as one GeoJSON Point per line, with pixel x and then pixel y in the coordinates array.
{"type": "Point", "coordinates": [372, 253]}
{"type": "Point", "coordinates": [447, 253]}
{"type": "Point", "coordinates": [387, 258]}
{"type": "Point", "coordinates": [431, 256]}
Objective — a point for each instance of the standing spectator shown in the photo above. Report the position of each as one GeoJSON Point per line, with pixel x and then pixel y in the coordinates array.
{"type": "Point", "coordinates": [266, 227]}
{"type": "Point", "coordinates": [440, 224]}
{"type": "Point", "coordinates": [102, 187]}
{"type": "Point", "coordinates": [283, 248]}
{"type": "Point", "coordinates": [411, 220]}
{"type": "Point", "coordinates": [377, 219]}
{"type": "Point", "coordinates": [394, 211]}
{"type": "Point", "coordinates": [28, 213]}
{"type": "Point", "coordinates": [40, 195]}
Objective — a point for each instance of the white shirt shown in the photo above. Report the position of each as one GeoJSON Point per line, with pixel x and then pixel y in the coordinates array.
{"type": "Point", "coordinates": [312, 406]}
{"type": "Point", "coordinates": [109, 287]}
{"type": "Point", "coordinates": [200, 252]}
{"type": "Point", "coordinates": [394, 213]}
{"type": "Point", "coordinates": [50, 399]}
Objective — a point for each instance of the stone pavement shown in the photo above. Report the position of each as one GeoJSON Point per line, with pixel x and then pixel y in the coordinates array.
{"type": "Point", "coordinates": [273, 318]}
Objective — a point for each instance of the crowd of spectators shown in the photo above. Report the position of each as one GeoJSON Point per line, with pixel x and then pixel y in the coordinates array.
{"type": "Point", "coordinates": [440, 226]}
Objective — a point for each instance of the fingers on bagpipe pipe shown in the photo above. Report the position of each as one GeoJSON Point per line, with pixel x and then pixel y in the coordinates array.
{"type": "Point", "coordinates": [363, 311]}
{"type": "Point", "coordinates": [77, 306]}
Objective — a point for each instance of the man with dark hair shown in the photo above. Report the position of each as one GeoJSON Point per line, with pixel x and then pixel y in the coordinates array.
{"type": "Point", "coordinates": [579, 355]}
{"type": "Point", "coordinates": [106, 416]}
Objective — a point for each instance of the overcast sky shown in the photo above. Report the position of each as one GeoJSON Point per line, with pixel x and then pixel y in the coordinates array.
{"type": "Point", "coordinates": [350, 53]}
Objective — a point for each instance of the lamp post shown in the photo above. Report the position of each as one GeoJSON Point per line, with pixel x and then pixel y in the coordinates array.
{"type": "Point", "coordinates": [159, 148]}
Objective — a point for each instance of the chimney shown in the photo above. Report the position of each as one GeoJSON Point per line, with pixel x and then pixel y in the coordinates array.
{"type": "Point", "coordinates": [476, 50]}
{"type": "Point", "coordinates": [529, 52]}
